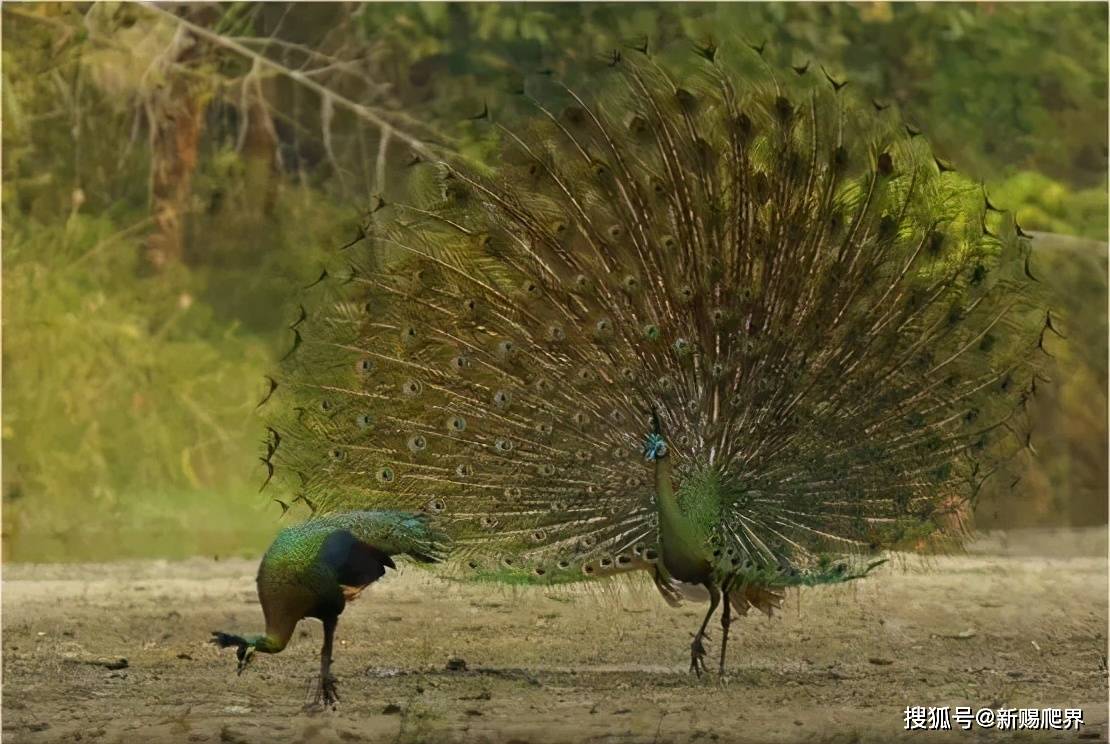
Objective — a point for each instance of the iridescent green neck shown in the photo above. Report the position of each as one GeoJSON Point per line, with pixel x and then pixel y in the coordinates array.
{"type": "Point", "coordinates": [685, 552]}
{"type": "Point", "coordinates": [267, 643]}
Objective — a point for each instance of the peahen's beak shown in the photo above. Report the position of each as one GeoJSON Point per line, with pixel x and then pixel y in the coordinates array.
{"type": "Point", "coordinates": [244, 654]}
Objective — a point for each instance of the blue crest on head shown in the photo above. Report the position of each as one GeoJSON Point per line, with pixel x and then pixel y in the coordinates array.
{"type": "Point", "coordinates": [655, 446]}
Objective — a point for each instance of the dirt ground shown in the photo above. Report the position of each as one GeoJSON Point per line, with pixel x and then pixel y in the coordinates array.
{"type": "Point", "coordinates": [1020, 621]}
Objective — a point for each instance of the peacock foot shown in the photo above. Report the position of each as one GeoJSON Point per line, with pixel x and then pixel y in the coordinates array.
{"type": "Point", "coordinates": [327, 694]}
{"type": "Point", "coordinates": [697, 656]}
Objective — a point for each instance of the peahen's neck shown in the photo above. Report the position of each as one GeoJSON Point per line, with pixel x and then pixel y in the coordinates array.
{"type": "Point", "coordinates": [684, 551]}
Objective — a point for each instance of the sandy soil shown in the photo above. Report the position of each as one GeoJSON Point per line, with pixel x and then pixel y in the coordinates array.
{"type": "Point", "coordinates": [1019, 622]}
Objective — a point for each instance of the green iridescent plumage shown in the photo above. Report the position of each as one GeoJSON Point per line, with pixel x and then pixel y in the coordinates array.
{"type": "Point", "coordinates": [829, 338]}
{"type": "Point", "coordinates": [314, 568]}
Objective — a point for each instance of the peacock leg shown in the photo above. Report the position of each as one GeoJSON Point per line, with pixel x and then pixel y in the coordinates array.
{"type": "Point", "coordinates": [726, 621]}
{"type": "Point", "coordinates": [326, 692]}
{"type": "Point", "coordinates": [697, 648]}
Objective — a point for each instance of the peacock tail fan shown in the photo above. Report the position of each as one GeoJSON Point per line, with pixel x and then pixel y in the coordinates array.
{"type": "Point", "coordinates": [838, 337]}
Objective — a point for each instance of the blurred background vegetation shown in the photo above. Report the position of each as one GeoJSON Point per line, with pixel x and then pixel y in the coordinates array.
{"type": "Point", "coordinates": [172, 174]}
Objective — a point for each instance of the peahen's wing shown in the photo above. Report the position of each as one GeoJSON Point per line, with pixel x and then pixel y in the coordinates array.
{"type": "Point", "coordinates": [825, 320]}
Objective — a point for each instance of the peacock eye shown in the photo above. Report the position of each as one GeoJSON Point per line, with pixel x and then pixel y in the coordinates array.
{"type": "Point", "coordinates": [411, 388]}
{"type": "Point", "coordinates": [325, 405]}
{"type": "Point", "coordinates": [417, 443]}
{"type": "Point", "coordinates": [503, 445]}
{"type": "Point", "coordinates": [464, 470]}
{"type": "Point", "coordinates": [364, 420]}
{"type": "Point", "coordinates": [337, 454]}
{"type": "Point", "coordinates": [502, 398]}
{"type": "Point", "coordinates": [385, 475]}
{"type": "Point", "coordinates": [435, 506]}
{"type": "Point", "coordinates": [456, 423]}
{"type": "Point", "coordinates": [364, 366]}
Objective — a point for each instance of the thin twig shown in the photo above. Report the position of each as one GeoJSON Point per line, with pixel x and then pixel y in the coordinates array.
{"type": "Point", "coordinates": [298, 77]}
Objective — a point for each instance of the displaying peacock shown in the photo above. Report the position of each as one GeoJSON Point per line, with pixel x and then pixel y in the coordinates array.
{"type": "Point", "coordinates": [728, 329]}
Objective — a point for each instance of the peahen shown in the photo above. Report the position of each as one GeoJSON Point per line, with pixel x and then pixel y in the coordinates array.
{"type": "Point", "coordinates": [315, 568]}
{"type": "Point", "coordinates": [728, 329]}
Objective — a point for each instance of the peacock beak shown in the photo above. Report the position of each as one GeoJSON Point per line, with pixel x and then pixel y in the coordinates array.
{"type": "Point", "coordinates": [245, 654]}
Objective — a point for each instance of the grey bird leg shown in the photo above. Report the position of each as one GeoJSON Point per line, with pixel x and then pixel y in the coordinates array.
{"type": "Point", "coordinates": [697, 648]}
{"type": "Point", "coordinates": [326, 693]}
{"type": "Point", "coordinates": [726, 620]}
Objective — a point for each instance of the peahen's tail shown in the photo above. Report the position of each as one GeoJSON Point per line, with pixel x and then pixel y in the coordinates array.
{"type": "Point", "coordinates": [838, 333]}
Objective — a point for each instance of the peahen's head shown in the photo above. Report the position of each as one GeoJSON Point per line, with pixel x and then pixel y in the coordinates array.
{"type": "Point", "coordinates": [244, 647]}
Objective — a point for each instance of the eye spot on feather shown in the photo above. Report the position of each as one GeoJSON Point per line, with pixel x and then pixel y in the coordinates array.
{"type": "Point", "coordinates": [337, 454]}
{"type": "Point", "coordinates": [630, 284]}
{"type": "Point", "coordinates": [470, 306]}
{"type": "Point", "coordinates": [502, 399]}
{"type": "Point", "coordinates": [668, 242]}
{"type": "Point", "coordinates": [560, 230]}
{"type": "Point", "coordinates": [364, 421]}
{"type": "Point", "coordinates": [585, 374]}
{"type": "Point", "coordinates": [666, 383]}
{"type": "Point", "coordinates": [717, 370]}
{"type": "Point", "coordinates": [385, 475]}
{"type": "Point", "coordinates": [556, 333]}
{"type": "Point", "coordinates": [530, 288]}
{"type": "Point", "coordinates": [685, 294]}
{"type": "Point", "coordinates": [538, 536]}
{"type": "Point", "coordinates": [605, 563]}
{"type": "Point", "coordinates": [488, 522]}
{"type": "Point", "coordinates": [435, 506]}
{"type": "Point", "coordinates": [683, 439]}
{"type": "Point", "coordinates": [508, 562]}
{"type": "Point", "coordinates": [615, 232]}
{"type": "Point", "coordinates": [563, 565]}
{"type": "Point", "coordinates": [514, 492]}
{"type": "Point", "coordinates": [546, 470]}
{"type": "Point", "coordinates": [456, 424]}
{"type": "Point", "coordinates": [543, 428]}
{"type": "Point", "coordinates": [409, 335]}
{"type": "Point", "coordinates": [364, 366]}
{"type": "Point", "coordinates": [417, 443]}
{"type": "Point", "coordinates": [588, 569]}
{"type": "Point", "coordinates": [539, 571]}
{"type": "Point", "coordinates": [503, 445]}
{"type": "Point", "coordinates": [717, 316]}
{"type": "Point", "coordinates": [325, 405]}
{"type": "Point", "coordinates": [603, 327]}
{"type": "Point", "coordinates": [587, 542]}
{"type": "Point", "coordinates": [412, 388]}
{"type": "Point", "coordinates": [651, 332]}
{"type": "Point", "coordinates": [505, 349]}
{"type": "Point", "coordinates": [681, 346]}
{"type": "Point", "coordinates": [464, 470]}
{"type": "Point", "coordinates": [582, 455]}
{"type": "Point", "coordinates": [580, 283]}
{"type": "Point", "coordinates": [628, 374]}
{"type": "Point", "coordinates": [473, 565]}
{"type": "Point", "coordinates": [624, 559]}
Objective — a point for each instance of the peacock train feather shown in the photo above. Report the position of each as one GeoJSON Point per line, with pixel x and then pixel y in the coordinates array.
{"type": "Point", "coordinates": [733, 303]}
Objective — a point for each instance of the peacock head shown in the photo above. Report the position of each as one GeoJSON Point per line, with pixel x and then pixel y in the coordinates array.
{"type": "Point", "coordinates": [244, 647]}
{"type": "Point", "coordinates": [655, 447]}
